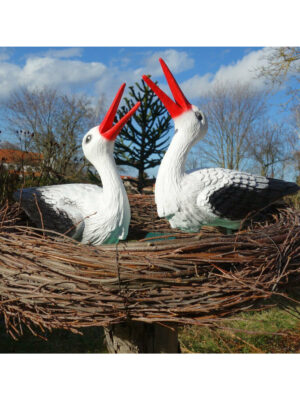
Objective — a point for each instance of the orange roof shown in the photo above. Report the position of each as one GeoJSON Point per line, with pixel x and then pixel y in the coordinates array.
{"type": "Point", "coordinates": [24, 173]}
{"type": "Point", "coordinates": [18, 156]}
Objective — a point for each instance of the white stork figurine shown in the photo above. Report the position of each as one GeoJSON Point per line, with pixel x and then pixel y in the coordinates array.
{"type": "Point", "coordinates": [212, 196]}
{"type": "Point", "coordinates": [88, 213]}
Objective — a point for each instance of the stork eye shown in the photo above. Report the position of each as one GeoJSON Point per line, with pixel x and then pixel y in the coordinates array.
{"type": "Point", "coordinates": [88, 138]}
{"type": "Point", "coordinates": [199, 115]}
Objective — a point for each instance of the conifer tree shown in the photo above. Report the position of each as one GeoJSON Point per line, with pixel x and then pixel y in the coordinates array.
{"type": "Point", "coordinates": [144, 139]}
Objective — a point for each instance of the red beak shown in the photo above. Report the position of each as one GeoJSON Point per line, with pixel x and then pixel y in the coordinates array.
{"type": "Point", "coordinates": [106, 127]}
{"type": "Point", "coordinates": [181, 104]}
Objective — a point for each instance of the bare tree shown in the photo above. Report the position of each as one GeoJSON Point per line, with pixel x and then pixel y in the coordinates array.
{"type": "Point", "coordinates": [232, 111]}
{"type": "Point", "coordinates": [283, 67]}
{"type": "Point", "coordinates": [282, 63]}
{"type": "Point", "coordinates": [194, 161]}
{"type": "Point", "coordinates": [296, 118]}
{"type": "Point", "coordinates": [51, 123]}
{"type": "Point", "coordinates": [272, 147]}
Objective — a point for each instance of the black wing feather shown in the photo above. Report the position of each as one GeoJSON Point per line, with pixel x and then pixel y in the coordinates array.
{"type": "Point", "coordinates": [237, 200]}
{"type": "Point", "coordinates": [41, 213]}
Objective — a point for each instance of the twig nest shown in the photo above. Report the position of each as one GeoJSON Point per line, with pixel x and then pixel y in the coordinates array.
{"type": "Point", "coordinates": [54, 282]}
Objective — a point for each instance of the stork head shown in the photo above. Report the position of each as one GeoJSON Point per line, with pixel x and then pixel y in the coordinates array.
{"type": "Point", "coordinates": [101, 139]}
{"type": "Point", "coordinates": [188, 119]}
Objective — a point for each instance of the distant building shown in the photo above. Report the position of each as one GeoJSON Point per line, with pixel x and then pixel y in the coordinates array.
{"type": "Point", "coordinates": [20, 162]}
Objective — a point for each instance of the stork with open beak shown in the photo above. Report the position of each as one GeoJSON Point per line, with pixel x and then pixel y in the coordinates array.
{"type": "Point", "coordinates": [88, 213]}
{"type": "Point", "coordinates": [212, 196]}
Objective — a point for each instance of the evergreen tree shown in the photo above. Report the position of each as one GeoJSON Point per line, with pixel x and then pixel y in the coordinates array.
{"type": "Point", "coordinates": [144, 139]}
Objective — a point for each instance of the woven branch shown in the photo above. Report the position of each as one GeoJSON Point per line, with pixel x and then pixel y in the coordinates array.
{"type": "Point", "coordinates": [54, 282]}
{"type": "Point", "coordinates": [144, 218]}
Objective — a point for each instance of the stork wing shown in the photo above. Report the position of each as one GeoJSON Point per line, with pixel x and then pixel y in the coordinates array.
{"type": "Point", "coordinates": [57, 207]}
{"type": "Point", "coordinates": [234, 194]}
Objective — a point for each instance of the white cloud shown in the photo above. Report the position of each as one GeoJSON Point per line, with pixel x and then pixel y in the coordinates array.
{"type": "Point", "coordinates": [39, 71]}
{"type": "Point", "coordinates": [47, 71]}
{"type": "Point", "coordinates": [64, 53]}
{"type": "Point", "coordinates": [243, 71]}
{"type": "Point", "coordinates": [176, 60]}
{"type": "Point", "coordinates": [197, 85]}
{"type": "Point", "coordinates": [96, 78]}
{"type": "Point", "coordinates": [9, 78]}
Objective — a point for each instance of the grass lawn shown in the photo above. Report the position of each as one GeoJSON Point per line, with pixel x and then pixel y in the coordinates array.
{"type": "Point", "coordinates": [279, 332]}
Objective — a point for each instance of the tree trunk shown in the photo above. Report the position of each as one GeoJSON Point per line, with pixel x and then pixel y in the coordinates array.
{"type": "Point", "coordinates": [141, 180]}
{"type": "Point", "coordinates": [139, 337]}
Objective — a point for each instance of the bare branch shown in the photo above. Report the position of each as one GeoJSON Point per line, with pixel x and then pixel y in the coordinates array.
{"type": "Point", "coordinates": [232, 112]}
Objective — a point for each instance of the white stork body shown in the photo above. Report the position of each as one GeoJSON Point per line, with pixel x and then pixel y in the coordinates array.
{"type": "Point", "coordinates": [212, 196]}
{"type": "Point", "coordinates": [87, 213]}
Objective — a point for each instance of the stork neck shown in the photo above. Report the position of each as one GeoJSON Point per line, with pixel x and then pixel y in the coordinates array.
{"type": "Point", "coordinates": [170, 176]}
{"type": "Point", "coordinates": [173, 163]}
{"type": "Point", "coordinates": [112, 184]}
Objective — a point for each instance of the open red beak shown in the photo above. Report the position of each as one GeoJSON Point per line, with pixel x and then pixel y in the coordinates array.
{"type": "Point", "coordinates": [181, 104]}
{"type": "Point", "coordinates": [106, 127]}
